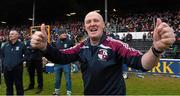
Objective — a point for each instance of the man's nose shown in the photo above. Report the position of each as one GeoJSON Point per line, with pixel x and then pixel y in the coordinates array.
{"type": "Point", "coordinates": [92, 23]}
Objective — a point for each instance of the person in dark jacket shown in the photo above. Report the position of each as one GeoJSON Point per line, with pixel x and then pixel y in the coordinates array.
{"type": "Point", "coordinates": [63, 42]}
{"type": "Point", "coordinates": [129, 37]}
{"type": "Point", "coordinates": [102, 57]}
{"type": "Point", "coordinates": [34, 63]}
{"type": "Point", "coordinates": [12, 54]}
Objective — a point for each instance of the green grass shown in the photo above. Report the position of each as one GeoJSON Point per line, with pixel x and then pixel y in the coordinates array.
{"type": "Point", "coordinates": [150, 85]}
{"type": "Point", "coordinates": [153, 85]}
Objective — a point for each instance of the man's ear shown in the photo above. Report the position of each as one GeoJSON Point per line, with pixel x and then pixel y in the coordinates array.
{"type": "Point", "coordinates": [104, 27]}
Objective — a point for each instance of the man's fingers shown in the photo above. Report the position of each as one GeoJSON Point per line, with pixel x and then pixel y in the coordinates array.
{"type": "Point", "coordinates": [167, 35]}
{"type": "Point", "coordinates": [34, 44]}
{"type": "Point", "coordinates": [163, 35]}
{"type": "Point", "coordinates": [38, 39]}
{"type": "Point", "coordinates": [163, 45]}
{"type": "Point", "coordinates": [168, 41]}
{"type": "Point", "coordinates": [163, 28]}
{"type": "Point", "coordinates": [39, 34]}
{"type": "Point", "coordinates": [34, 41]}
{"type": "Point", "coordinates": [43, 29]}
{"type": "Point", "coordinates": [156, 29]}
{"type": "Point", "coordinates": [158, 22]}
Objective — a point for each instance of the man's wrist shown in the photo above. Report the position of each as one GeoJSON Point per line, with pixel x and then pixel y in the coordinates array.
{"type": "Point", "coordinates": [156, 52]}
{"type": "Point", "coordinates": [45, 48]}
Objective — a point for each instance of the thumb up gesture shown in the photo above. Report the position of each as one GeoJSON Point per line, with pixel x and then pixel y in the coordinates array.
{"type": "Point", "coordinates": [39, 39]}
{"type": "Point", "coordinates": [163, 36]}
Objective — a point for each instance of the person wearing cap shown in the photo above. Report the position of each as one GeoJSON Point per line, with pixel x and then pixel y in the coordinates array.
{"type": "Point", "coordinates": [102, 57]}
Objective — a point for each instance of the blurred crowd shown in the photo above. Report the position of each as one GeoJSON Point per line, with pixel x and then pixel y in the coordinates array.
{"type": "Point", "coordinates": [139, 22]}
{"type": "Point", "coordinates": [143, 21]}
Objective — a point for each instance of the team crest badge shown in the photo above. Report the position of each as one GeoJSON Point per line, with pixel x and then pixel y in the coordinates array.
{"type": "Point", "coordinates": [103, 54]}
{"type": "Point", "coordinates": [17, 48]}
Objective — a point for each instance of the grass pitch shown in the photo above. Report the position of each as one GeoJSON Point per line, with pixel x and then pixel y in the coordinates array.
{"type": "Point", "coordinates": [150, 85]}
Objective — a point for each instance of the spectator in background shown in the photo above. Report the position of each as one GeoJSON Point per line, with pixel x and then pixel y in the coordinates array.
{"type": "Point", "coordinates": [149, 36]}
{"type": "Point", "coordinates": [144, 36]}
{"type": "Point", "coordinates": [177, 32]}
{"type": "Point", "coordinates": [55, 29]}
{"type": "Point", "coordinates": [112, 35]}
{"type": "Point", "coordinates": [125, 71]}
{"type": "Point", "coordinates": [63, 43]}
{"type": "Point", "coordinates": [129, 37]}
{"type": "Point", "coordinates": [12, 54]}
{"type": "Point", "coordinates": [116, 37]}
{"type": "Point", "coordinates": [34, 64]}
{"type": "Point", "coordinates": [102, 57]}
{"type": "Point", "coordinates": [123, 38]}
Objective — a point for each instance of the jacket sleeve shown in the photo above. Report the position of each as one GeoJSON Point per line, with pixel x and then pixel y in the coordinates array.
{"type": "Point", "coordinates": [24, 51]}
{"type": "Point", "coordinates": [3, 51]}
{"type": "Point", "coordinates": [62, 56]}
{"type": "Point", "coordinates": [130, 56]}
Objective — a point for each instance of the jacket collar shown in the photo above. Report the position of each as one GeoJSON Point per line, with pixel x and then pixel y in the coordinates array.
{"type": "Point", "coordinates": [103, 37]}
{"type": "Point", "coordinates": [14, 43]}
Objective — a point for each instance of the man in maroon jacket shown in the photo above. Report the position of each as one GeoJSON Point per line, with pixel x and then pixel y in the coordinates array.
{"type": "Point", "coordinates": [102, 57]}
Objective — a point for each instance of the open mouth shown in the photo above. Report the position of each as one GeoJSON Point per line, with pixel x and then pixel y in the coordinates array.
{"type": "Point", "coordinates": [93, 30]}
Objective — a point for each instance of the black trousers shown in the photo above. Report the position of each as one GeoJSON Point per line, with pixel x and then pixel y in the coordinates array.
{"type": "Point", "coordinates": [32, 67]}
{"type": "Point", "coordinates": [15, 76]}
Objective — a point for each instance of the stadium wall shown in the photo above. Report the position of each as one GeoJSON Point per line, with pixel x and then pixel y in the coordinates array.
{"type": "Point", "coordinates": [136, 35]}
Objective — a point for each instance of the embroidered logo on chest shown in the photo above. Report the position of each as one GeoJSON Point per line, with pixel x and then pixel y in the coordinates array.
{"type": "Point", "coordinates": [103, 54]}
{"type": "Point", "coordinates": [17, 48]}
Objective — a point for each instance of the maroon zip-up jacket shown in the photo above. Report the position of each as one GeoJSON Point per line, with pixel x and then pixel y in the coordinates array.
{"type": "Point", "coordinates": [101, 65]}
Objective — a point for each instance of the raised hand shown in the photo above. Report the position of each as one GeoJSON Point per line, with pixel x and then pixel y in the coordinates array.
{"type": "Point", "coordinates": [163, 36]}
{"type": "Point", "coordinates": [39, 39]}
